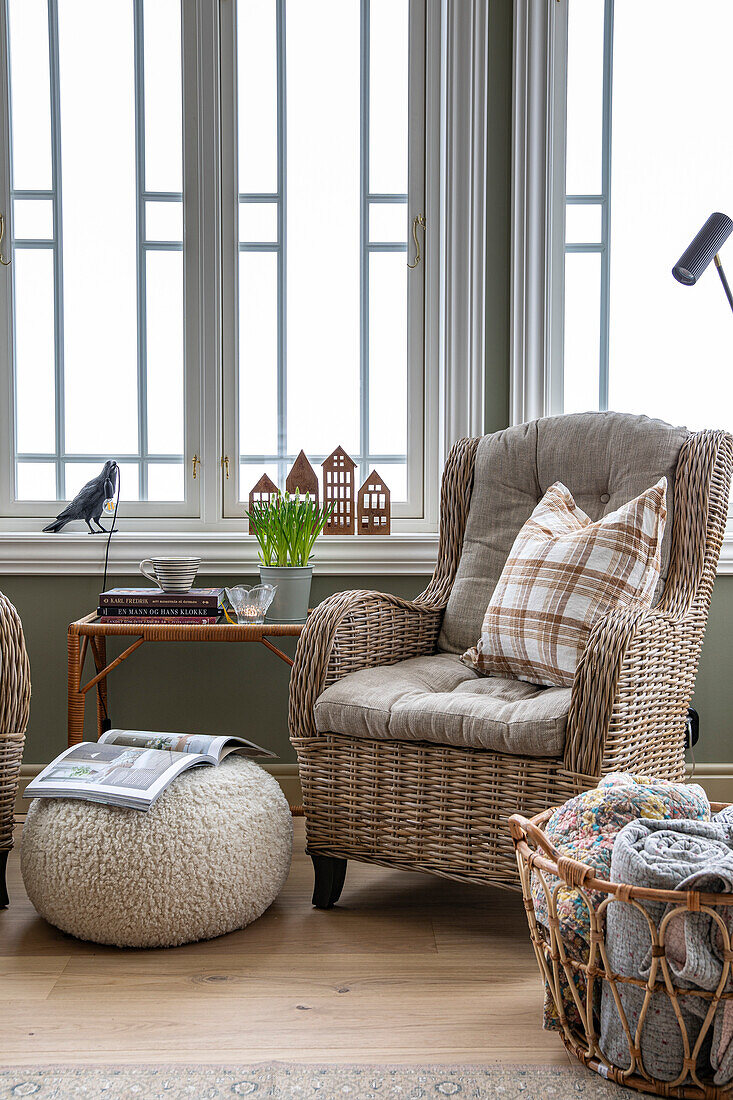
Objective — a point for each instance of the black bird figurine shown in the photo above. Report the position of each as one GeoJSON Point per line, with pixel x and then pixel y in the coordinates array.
{"type": "Point", "coordinates": [89, 501]}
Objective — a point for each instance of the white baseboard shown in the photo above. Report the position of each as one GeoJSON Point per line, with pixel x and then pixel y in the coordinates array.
{"type": "Point", "coordinates": [286, 775]}
{"type": "Point", "coordinates": [716, 779]}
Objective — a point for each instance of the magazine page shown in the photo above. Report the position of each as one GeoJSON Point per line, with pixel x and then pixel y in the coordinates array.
{"type": "Point", "coordinates": [113, 774]}
{"type": "Point", "coordinates": [242, 747]}
{"type": "Point", "coordinates": [170, 742]}
{"type": "Point", "coordinates": [214, 748]}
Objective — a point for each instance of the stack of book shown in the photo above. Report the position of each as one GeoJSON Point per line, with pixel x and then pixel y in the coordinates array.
{"type": "Point", "coordinates": [150, 605]}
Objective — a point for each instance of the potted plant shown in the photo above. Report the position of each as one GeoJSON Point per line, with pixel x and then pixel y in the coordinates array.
{"type": "Point", "coordinates": [286, 528]}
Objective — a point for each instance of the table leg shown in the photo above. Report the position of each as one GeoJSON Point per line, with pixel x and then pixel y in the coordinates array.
{"type": "Point", "coordinates": [76, 700]}
{"type": "Point", "coordinates": [99, 649]}
{"type": "Point", "coordinates": [273, 649]}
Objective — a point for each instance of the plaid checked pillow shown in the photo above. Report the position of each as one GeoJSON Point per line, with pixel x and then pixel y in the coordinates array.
{"type": "Point", "coordinates": [563, 572]}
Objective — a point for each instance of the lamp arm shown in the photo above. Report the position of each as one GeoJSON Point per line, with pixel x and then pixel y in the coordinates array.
{"type": "Point", "coordinates": [724, 281]}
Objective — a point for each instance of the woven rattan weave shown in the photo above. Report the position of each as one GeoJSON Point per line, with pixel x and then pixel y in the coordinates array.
{"type": "Point", "coordinates": [433, 808]}
{"type": "Point", "coordinates": [15, 692]}
{"type": "Point", "coordinates": [536, 855]}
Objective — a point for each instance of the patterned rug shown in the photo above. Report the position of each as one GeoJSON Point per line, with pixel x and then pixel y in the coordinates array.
{"type": "Point", "coordinates": [301, 1082]}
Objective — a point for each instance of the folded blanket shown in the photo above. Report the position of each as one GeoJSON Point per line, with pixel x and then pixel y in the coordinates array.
{"type": "Point", "coordinates": [725, 816]}
{"type": "Point", "coordinates": [695, 950]}
{"type": "Point", "coordinates": [585, 828]}
{"type": "Point", "coordinates": [663, 855]}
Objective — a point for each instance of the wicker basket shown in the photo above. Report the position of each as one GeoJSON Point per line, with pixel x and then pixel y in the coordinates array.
{"type": "Point", "coordinates": [536, 855]}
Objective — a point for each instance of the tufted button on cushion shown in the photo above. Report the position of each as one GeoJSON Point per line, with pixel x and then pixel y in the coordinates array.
{"type": "Point", "coordinates": [605, 498]}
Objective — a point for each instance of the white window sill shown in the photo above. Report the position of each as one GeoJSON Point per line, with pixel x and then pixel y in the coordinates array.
{"type": "Point", "coordinates": [79, 553]}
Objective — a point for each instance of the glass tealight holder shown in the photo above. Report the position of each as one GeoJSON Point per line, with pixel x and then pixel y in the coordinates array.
{"type": "Point", "coordinates": [250, 604]}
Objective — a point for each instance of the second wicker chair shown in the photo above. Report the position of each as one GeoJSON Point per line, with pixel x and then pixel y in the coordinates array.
{"type": "Point", "coordinates": [15, 693]}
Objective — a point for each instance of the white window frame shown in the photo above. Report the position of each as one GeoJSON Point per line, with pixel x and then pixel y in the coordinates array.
{"type": "Point", "coordinates": [411, 514]}
{"type": "Point", "coordinates": [456, 59]}
{"type": "Point", "coordinates": [189, 508]}
{"type": "Point", "coordinates": [538, 224]}
{"type": "Point", "coordinates": [538, 216]}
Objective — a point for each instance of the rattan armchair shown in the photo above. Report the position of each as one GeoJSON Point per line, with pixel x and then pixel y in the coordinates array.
{"type": "Point", "coordinates": [442, 808]}
{"type": "Point", "coordinates": [15, 692]}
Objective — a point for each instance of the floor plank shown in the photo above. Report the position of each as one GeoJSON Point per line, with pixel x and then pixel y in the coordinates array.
{"type": "Point", "coordinates": [407, 969]}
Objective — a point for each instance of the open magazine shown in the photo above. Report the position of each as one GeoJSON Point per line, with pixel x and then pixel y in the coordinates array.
{"type": "Point", "coordinates": [132, 767]}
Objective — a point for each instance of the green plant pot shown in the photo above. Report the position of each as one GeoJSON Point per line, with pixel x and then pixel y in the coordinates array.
{"type": "Point", "coordinates": [292, 592]}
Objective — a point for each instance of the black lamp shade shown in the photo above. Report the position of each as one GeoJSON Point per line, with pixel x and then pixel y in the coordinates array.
{"type": "Point", "coordinates": [699, 253]}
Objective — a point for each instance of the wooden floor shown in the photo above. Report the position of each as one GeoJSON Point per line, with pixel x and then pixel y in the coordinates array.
{"type": "Point", "coordinates": [407, 969]}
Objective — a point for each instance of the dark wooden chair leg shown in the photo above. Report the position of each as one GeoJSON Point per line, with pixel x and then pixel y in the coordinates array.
{"type": "Point", "coordinates": [330, 874]}
{"type": "Point", "coordinates": [4, 899]}
{"type": "Point", "coordinates": [339, 878]}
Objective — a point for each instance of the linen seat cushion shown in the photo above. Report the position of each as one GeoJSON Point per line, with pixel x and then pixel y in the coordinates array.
{"type": "Point", "coordinates": [439, 699]}
{"type": "Point", "coordinates": [605, 459]}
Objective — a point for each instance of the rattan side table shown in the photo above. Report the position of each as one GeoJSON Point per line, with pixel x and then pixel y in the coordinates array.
{"type": "Point", "coordinates": [91, 633]}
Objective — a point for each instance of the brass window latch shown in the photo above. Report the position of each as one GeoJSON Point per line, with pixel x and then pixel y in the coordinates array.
{"type": "Point", "coordinates": [196, 463]}
{"type": "Point", "coordinates": [225, 465]}
{"type": "Point", "coordinates": [418, 222]}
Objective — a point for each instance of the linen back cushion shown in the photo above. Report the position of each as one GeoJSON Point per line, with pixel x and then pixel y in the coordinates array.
{"type": "Point", "coordinates": [605, 459]}
{"type": "Point", "coordinates": [563, 572]}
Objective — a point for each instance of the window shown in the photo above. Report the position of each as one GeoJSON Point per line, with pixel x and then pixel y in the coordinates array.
{"type": "Point", "coordinates": [209, 209]}
{"type": "Point", "coordinates": [646, 161]}
{"type": "Point", "coordinates": [325, 315]}
{"type": "Point", "coordinates": [96, 228]}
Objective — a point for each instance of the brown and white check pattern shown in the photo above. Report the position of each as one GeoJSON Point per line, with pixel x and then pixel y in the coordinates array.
{"type": "Point", "coordinates": [562, 574]}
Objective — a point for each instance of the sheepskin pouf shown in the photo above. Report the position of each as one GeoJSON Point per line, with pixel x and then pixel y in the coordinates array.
{"type": "Point", "coordinates": [210, 856]}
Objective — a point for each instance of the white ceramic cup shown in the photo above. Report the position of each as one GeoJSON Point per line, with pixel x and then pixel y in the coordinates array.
{"type": "Point", "coordinates": [171, 574]}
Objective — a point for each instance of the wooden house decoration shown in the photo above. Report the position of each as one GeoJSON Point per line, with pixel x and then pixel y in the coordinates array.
{"type": "Point", "coordinates": [373, 507]}
{"type": "Point", "coordinates": [302, 478]}
{"type": "Point", "coordinates": [263, 492]}
{"type": "Point", "coordinates": [338, 490]}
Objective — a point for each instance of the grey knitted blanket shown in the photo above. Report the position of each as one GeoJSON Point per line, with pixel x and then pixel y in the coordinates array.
{"type": "Point", "coordinates": [668, 855]}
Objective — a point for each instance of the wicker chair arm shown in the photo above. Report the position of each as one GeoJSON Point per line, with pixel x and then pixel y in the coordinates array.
{"type": "Point", "coordinates": [631, 691]}
{"type": "Point", "coordinates": [353, 630]}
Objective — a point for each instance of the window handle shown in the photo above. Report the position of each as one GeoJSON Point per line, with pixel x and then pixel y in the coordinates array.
{"type": "Point", "coordinates": [418, 222]}
{"type": "Point", "coordinates": [225, 465]}
{"type": "Point", "coordinates": [196, 463]}
{"type": "Point", "coordinates": [5, 263]}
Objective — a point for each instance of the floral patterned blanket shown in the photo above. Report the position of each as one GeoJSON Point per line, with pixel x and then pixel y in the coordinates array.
{"type": "Point", "coordinates": [585, 829]}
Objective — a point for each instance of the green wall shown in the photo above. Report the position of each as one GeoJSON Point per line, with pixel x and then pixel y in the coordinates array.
{"type": "Point", "coordinates": [714, 689]}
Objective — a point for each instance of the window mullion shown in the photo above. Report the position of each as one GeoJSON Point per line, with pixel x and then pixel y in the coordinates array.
{"type": "Point", "coordinates": [364, 243]}
{"type": "Point", "coordinates": [58, 247]}
{"type": "Point", "coordinates": [606, 209]}
{"type": "Point", "coordinates": [142, 388]}
{"type": "Point", "coordinates": [202, 212]}
{"type": "Point", "coordinates": [282, 269]}
{"type": "Point", "coordinates": [229, 197]}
